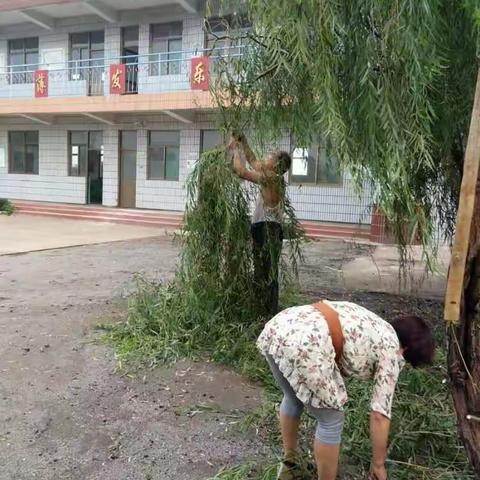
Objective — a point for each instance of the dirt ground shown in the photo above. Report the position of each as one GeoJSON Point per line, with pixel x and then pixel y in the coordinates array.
{"type": "Point", "coordinates": [67, 413]}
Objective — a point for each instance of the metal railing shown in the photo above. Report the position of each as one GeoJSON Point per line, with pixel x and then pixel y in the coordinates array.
{"type": "Point", "coordinates": [149, 73]}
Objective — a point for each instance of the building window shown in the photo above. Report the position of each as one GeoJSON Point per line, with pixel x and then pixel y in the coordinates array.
{"type": "Point", "coordinates": [315, 165]}
{"type": "Point", "coordinates": [130, 51]}
{"type": "Point", "coordinates": [87, 48]}
{"type": "Point", "coordinates": [23, 148]}
{"type": "Point", "coordinates": [86, 153]}
{"type": "Point", "coordinates": [222, 45]}
{"type": "Point", "coordinates": [87, 51]}
{"type": "Point", "coordinates": [130, 44]}
{"type": "Point", "coordinates": [217, 29]}
{"type": "Point", "coordinates": [22, 59]}
{"type": "Point", "coordinates": [163, 155]}
{"type": "Point", "coordinates": [210, 139]}
{"type": "Point", "coordinates": [78, 153]}
{"type": "Point", "coordinates": [166, 46]}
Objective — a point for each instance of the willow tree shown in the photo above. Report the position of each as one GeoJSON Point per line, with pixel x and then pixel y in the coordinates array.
{"type": "Point", "coordinates": [391, 83]}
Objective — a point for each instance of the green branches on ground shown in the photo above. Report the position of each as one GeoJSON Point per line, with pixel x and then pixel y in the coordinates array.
{"type": "Point", "coordinates": [424, 443]}
{"type": "Point", "coordinates": [211, 307]}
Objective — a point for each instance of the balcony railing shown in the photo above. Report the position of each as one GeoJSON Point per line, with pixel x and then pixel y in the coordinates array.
{"type": "Point", "coordinates": [151, 73]}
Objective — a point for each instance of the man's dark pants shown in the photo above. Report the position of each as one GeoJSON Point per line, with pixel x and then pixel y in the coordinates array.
{"type": "Point", "coordinates": [267, 250]}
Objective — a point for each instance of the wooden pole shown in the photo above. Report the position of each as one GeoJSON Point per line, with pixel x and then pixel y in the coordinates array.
{"type": "Point", "coordinates": [456, 273]}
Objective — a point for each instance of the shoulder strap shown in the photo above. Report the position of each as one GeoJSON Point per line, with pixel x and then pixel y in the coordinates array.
{"type": "Point", "coordinates": [334, 327]}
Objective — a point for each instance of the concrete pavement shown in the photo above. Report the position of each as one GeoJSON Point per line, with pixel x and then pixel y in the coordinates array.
{"type": "Point", "coordinates": [370, 268]}
{"type": "Point", "coordinates": [380, 271]}
{"type": "Point", "coordinates": [26, 233]}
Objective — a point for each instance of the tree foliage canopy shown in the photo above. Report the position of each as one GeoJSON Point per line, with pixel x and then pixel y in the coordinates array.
{"type": "Point", "coordinates": [390, 82]}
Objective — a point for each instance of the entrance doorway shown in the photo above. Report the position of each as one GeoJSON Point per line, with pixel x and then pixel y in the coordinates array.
{"type": "Point", "coordinates": [128, 168]}
{"type": "Point", "coordinates": [95, 167]}
{"type": "Point", "coordinates": [86, 160]}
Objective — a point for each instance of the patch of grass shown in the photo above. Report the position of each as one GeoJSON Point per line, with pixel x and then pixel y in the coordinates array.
{"type": "Point", "coordinates": [161, 328]}
{"type": "Point", "coordinates": [423, 442]}
{"type": "Point", "coordinates": [6, 207]}
{"type": "Point", "coordinates": [248, 471]}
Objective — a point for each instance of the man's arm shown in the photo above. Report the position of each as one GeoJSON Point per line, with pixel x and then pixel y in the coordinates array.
{"type": "Point", "coordinates": [249, 155]}
{"type": "Point", "coordinates": [239, 165]}
{"type": "Point", "coordinates": [379, 430]}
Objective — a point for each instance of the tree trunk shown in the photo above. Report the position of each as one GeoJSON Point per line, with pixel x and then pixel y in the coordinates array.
{"type": "Point", "coordinates": [464, 349]}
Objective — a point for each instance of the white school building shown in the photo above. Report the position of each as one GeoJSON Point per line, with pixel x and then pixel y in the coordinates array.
{"type": "Point", "coordinates": [98, 105]}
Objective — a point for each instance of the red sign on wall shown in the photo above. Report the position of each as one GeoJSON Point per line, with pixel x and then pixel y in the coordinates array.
{"type": "Point", "coordinates": [117, 79]}
{"type": "Point", "coordinates": [41, 83]}
{"type": "Point", "coordinates": [200, 73]}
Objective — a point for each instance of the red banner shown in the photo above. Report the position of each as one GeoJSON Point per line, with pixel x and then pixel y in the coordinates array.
{"type": "Point", "coordinates": [200, 73]}
{"type": "Point", "coordinates": [117, 79]}
{"type": "Point", "coordinates": [41, 83]}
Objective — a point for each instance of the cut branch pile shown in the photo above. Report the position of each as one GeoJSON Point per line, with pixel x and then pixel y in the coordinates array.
{"type": "Point", "coordinates": [210, 307]}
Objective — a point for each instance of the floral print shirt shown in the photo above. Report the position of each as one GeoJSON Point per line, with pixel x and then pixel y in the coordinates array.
{"type": "Point", "coordinates": [299, 342]}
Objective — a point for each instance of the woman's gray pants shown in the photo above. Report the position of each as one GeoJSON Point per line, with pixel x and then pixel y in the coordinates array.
{"type": "Point", "coordinates": [329, 421]}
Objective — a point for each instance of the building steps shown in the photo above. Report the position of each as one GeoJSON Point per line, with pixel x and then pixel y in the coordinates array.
{"type": "Point", "coordinates": [144, 218]}
{"type": "Point", "coordinates": [169, 220]}
{"type": "Point", "coordinates": [327, 230]}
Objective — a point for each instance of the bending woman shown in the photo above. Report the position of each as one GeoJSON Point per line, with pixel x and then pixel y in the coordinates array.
{"type": "Point", "coordinates": [311, 348]}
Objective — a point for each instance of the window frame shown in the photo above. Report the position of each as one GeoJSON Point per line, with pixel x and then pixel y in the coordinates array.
{"type": "Point", "coordinates": [295, 179]}
{"type": "Point", "coordinates": [321, 149]}
{"type": "Point", "coordinates": [227, 22]}
{"type": "Point", "coordinates": [202, 141]}
{"type": "Point", "coordinates": [87, 146]}
{"type": "Point", "coordinates": [164, 147]}
{"type": "Point", "coordinates": [79, 72]}
{"type": "Point", "coordinates": [156, 67]}
{"type": "Point", "coordinates": [89, 44]}
{"type": "Point", "coordinates": [226, 49]}
{"type": "Point", "coordinates": [24, 145]}
{"type": "Point", "coordinates": [25, 77]}
{"type": "Point", "coordinates": [126, 43]}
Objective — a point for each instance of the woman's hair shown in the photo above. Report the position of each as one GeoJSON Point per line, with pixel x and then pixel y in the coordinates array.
{"type": "Point", "coordinates": [283, 161]}
{"type": "Point", "coordinates": [416, 338]}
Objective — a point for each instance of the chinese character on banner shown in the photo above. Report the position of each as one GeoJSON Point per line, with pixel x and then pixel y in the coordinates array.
{"type": "Point", "coordinates": [199, 74]}
{"type": "Point", "coordinates": [117, 79]}
{"type": "Point", "coordinates": [41, 83]}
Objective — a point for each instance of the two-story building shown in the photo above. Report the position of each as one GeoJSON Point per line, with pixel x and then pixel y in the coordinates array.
{"type": "Point", "coordinates": [98, 105]}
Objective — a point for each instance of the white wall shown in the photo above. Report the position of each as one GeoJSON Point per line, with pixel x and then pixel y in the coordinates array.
{"type": "Point", "coordinates": [331, 204]}
{"type": "Point", "coordinates": [316, 203]}
{"type": "Point", "coordinates": [52, 183]}
{"type": "Point", "coordinates": [110, 167]}
{"type": "Point", "coordinates": [320, 203]}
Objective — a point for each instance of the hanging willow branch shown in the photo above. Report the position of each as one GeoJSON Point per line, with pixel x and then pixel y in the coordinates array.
{"type": "Point", "coordinates": [390, 82]}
